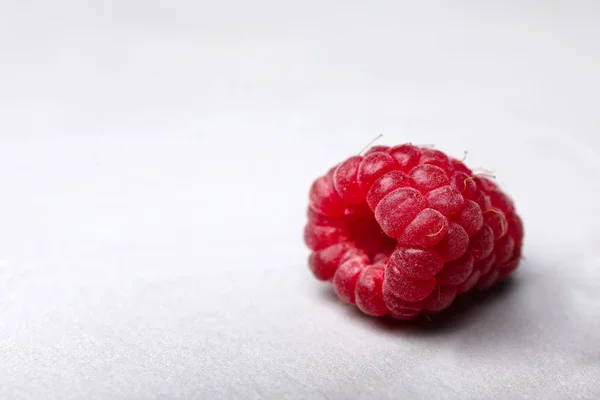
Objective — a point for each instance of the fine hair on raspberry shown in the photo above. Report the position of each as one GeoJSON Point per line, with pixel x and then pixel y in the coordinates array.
{"type": "Point", "coordinates": [402, 231]}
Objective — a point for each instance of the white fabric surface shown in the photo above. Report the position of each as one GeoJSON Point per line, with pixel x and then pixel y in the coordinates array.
{"type": "Point", "coordinates": [156, 158]}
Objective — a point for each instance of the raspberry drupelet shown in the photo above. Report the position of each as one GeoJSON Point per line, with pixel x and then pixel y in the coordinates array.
{"type": "Point", "coordinates": [402, 231]}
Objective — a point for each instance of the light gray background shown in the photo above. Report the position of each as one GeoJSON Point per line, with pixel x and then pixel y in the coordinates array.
{"type": "Point", "coordinates": [155, 159]}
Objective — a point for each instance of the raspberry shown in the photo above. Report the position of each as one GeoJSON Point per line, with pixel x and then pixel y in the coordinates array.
{"type": "Point", "coordinates": [402, 231]}
{"type": "Point", "coordinates": [426, 230]}
{"type": "Point", "coordinates": [409, 289]}
{"type": "Point", "coordinates": [369, 290]}
{"type": "Point", "coordinates": [384, 185]}
{"type": "Point", "coordinates": [345, 180]}
{"type": "Point", "coordinates": [440, 299]}
{"type": "Point", "coordinates": [428, 177]}
{"type": "Point", "coordinates": [397, 210]}
{"type": "Point", "coordinates": [469, 283]}
{"type": "Point", "coordinates": [416, 263]}
{"type": "Point", "coordinates": [373, 166]}
{"type": "Point", "coordinates": [346, 278]}
{"type": "Point", "coordinates": [454, 244]}
{"type": "Point", "coordinates": [456, 272]}
{"type": "Point", "coordinates": [324, 263]}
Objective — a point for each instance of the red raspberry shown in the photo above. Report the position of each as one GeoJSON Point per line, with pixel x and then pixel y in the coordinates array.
{"type": "Point", "coordinates": [369, 290]}
{"type": "Point", "coordinates": [402, 231]}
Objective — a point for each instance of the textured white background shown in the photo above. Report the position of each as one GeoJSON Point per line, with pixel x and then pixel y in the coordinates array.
{"type": "Point", "coordinates": [155, 159]}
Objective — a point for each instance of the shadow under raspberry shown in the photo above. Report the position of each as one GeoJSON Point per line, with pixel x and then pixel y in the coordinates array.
{"type": "Point", "coordinates": [462, 310]}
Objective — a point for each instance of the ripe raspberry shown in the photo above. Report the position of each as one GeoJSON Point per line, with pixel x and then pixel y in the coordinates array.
{"type": "Point", "coordinates": [402, 231]}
